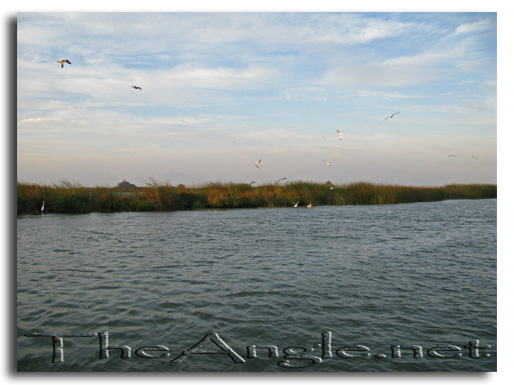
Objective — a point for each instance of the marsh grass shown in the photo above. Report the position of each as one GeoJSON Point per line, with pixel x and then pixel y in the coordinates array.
{"type": "Point", "coordinates": [68, 197]}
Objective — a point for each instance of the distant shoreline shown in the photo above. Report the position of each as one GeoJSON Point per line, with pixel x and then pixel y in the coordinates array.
{"type": "Point", "coordinates": [74, 198]}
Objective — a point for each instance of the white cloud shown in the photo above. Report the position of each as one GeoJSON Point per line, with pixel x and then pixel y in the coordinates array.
{"type": "Point", "coordinates": [477, 26]}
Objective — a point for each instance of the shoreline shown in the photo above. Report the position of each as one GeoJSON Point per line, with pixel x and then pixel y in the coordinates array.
{"type": "Point", "coordinates": [68, 198]}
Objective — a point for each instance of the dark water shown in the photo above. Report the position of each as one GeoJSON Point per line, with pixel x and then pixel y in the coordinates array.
{"type": "Point", "coordinates": [367, 277]}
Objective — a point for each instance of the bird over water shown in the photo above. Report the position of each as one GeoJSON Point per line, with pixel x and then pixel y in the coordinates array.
{"type": "Point", "coordinates": [391, 116]}
{"type": "Point", "coordinates": [63, 61]}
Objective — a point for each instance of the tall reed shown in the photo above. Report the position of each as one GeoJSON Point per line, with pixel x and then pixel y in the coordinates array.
{"type": "Point", "coordinates": [68, 197]}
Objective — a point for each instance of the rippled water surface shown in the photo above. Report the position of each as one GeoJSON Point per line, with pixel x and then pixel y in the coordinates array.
{"type": "Point", "coordinates": [367, 277]}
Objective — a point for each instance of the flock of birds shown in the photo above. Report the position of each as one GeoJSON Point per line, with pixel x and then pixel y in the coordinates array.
{"type": "Point", "coordinates": [61, 62]}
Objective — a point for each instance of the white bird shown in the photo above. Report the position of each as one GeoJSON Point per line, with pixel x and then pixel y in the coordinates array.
{"type": "Point", "coordinates": [252, 182]}
{"type": "Point", "coordinates": [43, 207]}
{"type": "Point", "coordinates": [296, 204]}
{"type": "Point", "coordinates": [257, 163]}
{"type": "Point", "coordinates": [137, 88]}
{"type": "Point", "coordinates": [340, 135]}
{"type": "Point", "coordinates": [324, 137]}
{"type": "Point", "coordinates": [328, 164]}
{"type": "Point", "coordinates": [392, 115]}
{"type": "Point", "coordinates": [309, 205]}
{"type": "Point", "coordinates": [475, 157]}
{"type": "Point", "coordinates": [331, 187]}
{"type": "Point", "coordinates": [63, 61]}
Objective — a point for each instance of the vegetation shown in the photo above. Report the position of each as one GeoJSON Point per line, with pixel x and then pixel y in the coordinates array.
{"type": "Point", "coordinates": [74, 198]}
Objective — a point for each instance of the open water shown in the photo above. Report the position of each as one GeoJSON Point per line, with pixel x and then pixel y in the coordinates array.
{"type": "Point", "coordinates": [333, 288]}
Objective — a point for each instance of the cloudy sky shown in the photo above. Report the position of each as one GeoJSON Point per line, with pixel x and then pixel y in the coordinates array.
{"type": "Point", "coordinates": [223, 90]}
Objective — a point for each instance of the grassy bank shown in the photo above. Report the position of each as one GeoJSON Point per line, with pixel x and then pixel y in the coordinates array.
{"type": "Point", "coordinates": [73, 198]}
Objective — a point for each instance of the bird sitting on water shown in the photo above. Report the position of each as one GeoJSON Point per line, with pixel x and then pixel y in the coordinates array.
{"type": "Point", "coordinates": [137, 88]}
{"type": "Point", "coordinates": [43, 207]}
{"type": "Point", "coordinates": [309, 205]}
{"type": "Point", "coordinates": [63, 61]}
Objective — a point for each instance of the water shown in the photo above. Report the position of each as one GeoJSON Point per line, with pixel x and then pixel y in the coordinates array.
{"type": "Point", "coordinates": [361, 277]}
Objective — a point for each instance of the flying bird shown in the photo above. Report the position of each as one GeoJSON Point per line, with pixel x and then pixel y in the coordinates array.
{"type": "Point", "coordinates": [340, 135]}
{"type": "Point", "coordinates": [296, 204]}
{"type": "Point", "coordinates": [452, 156]}
{"type": "Point", "coordinates": [137, 88]}
{"type": "Point", "coordinates": [324, 138]}
{"type": "Point", "coordinates": [475, 157]}
{"type": "Point", "coordinates": [257, 163]}
{"type": "Point", "coordinates": [281, 179]}
{"type": "Point", "coordinates": [43, 207]}
{"type": "Point", "coordinates": [182, 121]}
{"type": "Point", "coordinates": [328, 164]}
{"type": "Point", "coordinates": [63, 61]}
{"type": "Point", "coordinates": [391, 116]}
{"type": "Point", "coordinates": [252, 182]}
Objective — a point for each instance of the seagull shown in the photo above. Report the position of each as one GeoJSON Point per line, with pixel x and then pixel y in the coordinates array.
{"type": "Point", "coordinates": [43, 207]}
{"type": "Point", "coordinates": [392, 115]}
{"type": "Point", "coordinates": [475, 157]}
{"type": "Point", "coordinates": [328, 164]}
{"type": "Point", "coordinates": [309, 205]}
{"type": "Point", "coordinates": [182, 121]}
{"type": "Point", "coordinates": [63, 61]}
{"type": "Point", "coordinates": [331, 187]}
{"type": "Point", "coordinates": [278, 181]}
{"type": "Point", "coordinates": [257, 163]}
{"type": "Point", "coordinates": [137, 88]}
{"type": "Point", "coordinates": [252, 182]}
{"type": "Point", "coordinates": [452, 156]}
{"type": "Point", "coordinates": [324, 138]}
{"type": "Point", "coordinates": [296, 204]}
{"type": "Point", "coordinates": [340, 135]}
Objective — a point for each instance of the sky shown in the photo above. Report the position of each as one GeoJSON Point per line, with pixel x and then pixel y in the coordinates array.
{"type": "Point", "coordinates": [222, 90]}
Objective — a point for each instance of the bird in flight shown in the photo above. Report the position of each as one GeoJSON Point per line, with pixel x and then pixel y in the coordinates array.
{"type": "Point", "coordinates": [328, 164]}
{"type": "Point", "coordinates": [281, 179]}
{"type": "Point", "coordinates": [63, 61]}
{"type": "Point", "coordinates": [391, 116]}
{"type": "Point", "coordinates": [257, 163]}
{"type": "Point", "coordinates": [340, 135]}
{"type": "Point", "coordinates": [252, 182]}
{"type": "Point", "coordinates": [182, 121]}
{"type": "Point", "coordinates": [452, 156]}
{"type": "Point", "coordinates": [296, 204]}
{"type": "Point", "coordinates": [137, 88]}
{"type": "Point", "coordinates": [475, 157]}
{"type": "Point", "coordinates": [324, 138]}
{"type": "Point", "coordinates": [43, 207]}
